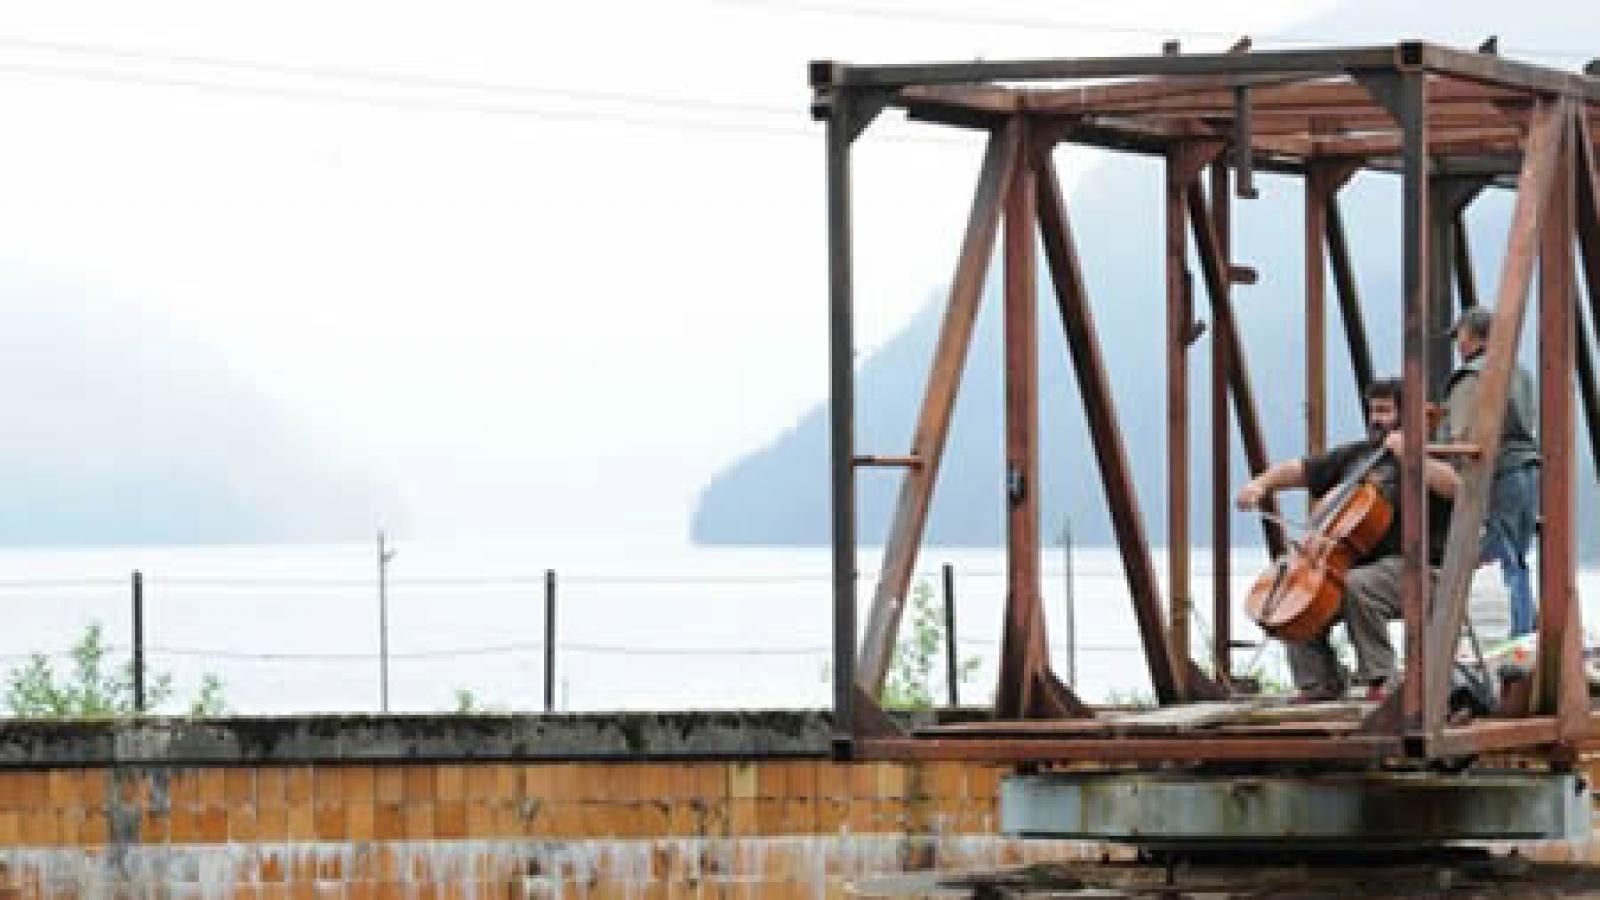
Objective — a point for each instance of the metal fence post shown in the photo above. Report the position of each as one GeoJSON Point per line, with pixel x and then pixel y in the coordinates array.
{"type": "Point", "coordinates": [952, 674]}
{"type": "Point", "coordinates": [138, 642]}
{"type": "Point", "coordinates": [549, 640]}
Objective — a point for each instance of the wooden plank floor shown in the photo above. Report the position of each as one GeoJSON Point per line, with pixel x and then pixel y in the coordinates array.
{"type": "Point", "coordinates": [1266, 730]}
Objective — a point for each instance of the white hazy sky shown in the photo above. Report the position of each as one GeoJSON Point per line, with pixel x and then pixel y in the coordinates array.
{"type": "Point", "coordinates": [535, 310]}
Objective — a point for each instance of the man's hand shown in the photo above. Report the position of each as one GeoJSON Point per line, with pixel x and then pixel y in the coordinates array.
{"type": "Point", "coordinates": [1251, 495]}
{"type": "Point", "coordinates": [1395, 442]}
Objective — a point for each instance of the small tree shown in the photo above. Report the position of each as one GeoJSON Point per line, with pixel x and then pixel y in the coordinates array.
{"type": "Point", "coordinates": [95, 688]}
{"type": "Point", "coordinates": [209, 702]}
{"type": "Point", "coordinates": [909, 685]}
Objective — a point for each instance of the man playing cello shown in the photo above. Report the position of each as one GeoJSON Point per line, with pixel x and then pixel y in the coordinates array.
{"type": "Point", "coordinates": [1372, 585]}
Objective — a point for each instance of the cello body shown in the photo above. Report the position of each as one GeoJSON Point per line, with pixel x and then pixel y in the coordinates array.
{"type": "Point", "coordinates": [1298, 598]}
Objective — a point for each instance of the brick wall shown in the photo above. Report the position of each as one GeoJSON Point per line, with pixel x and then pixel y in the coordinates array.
{"type": "Point", "coordinates": [776, 828]}
{"type": "Point", "coordinates": [617, 805]}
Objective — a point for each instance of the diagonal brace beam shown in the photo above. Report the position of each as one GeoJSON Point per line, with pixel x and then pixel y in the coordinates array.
{"type": "Point", "coordinates": [1094, 384]}
{"type": "Point", "coordinates": [933, 423]}
{"type": "Point", "coordinates": [1588, 177]}
{"type": "Point", "coordinates": [1471, 502]}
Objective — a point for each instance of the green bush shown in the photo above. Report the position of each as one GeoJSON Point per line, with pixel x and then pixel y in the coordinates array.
{"type": "Point", "coordinates": [96, 688]}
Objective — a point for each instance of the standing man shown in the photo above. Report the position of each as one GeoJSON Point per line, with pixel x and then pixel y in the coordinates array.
{"type": "Point", "coordinates": [1372, 586]}
{"type": "Point", "coordinates": [1514, 492]}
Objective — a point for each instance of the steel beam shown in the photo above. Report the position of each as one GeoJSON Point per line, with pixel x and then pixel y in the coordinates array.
{"type": "Point", "coordinates": [1221, 474]}
{"type": "Point", "coordinates": [1471, 501]}
{"type": "Point", "coordinates": [1105, 432]}
{"type": "Point", "coordinates": [1496, 70]}
{"type": "Point", "coordinates": [933, 422]}
{"type": "Point", "coordinates": [1588, 225]}
{"type": "Point", "coordinates": [1318, 192]}
{"type": "Point", "coordinates": [1299, 62]}
{"type": "Point", "coordinates": [1270, 95]}
{"type": "Point", "coordinates": [1410, 107]}
{"type": "Point", "coordinates": [1023, 650]}
{"type": "Point", "coordinates": [841, 414]}
{"type": "Point", "coordinates": [1180, 324]}
{"type": "Point", "coordinates": [1405, 56]}
{"type": "Point", "coordinates": [1561, 687]}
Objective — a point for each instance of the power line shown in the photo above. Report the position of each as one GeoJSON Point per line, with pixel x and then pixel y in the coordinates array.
{"type": "Point", "coordinates": [723, 125]}
{"type": "Point", "coordinates": [490, 650]}
{"type": "Point", "coordinates": [403, 79]}
{"type": "Point", "coordinates": [396, 102]}
{"type": "Point", "coordinates": [511, 580]}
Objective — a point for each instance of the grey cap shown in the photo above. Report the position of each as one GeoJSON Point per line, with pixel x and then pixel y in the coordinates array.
{"type": "Point", "coordinates": [1476, 320]}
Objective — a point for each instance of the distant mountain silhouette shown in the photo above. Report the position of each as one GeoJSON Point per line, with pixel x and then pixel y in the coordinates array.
{"type": "Point", "coordinates": [779, 494]}
{"type": "Point", "coordinates": [119, 431]}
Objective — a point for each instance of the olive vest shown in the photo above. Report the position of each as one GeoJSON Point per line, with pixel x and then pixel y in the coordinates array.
{"type": "Point", "coordinates": [1519, 446]}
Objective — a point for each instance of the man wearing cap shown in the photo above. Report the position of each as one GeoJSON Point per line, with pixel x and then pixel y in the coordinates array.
{"type": "Point", "coordinates": [1514, 492]}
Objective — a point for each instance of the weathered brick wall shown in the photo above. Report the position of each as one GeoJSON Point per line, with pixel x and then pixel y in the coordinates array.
{"type": "Point", "coordinates": [759, 828]}
{"type": "Point", "coordinates": [657, 805]}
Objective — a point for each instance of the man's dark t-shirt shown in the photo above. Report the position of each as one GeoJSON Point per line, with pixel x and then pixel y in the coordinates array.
{"type": "Point", "coordinates": [1324, 472]}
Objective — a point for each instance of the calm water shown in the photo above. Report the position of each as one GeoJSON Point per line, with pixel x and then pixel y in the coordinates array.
{"type": "Point", "coordinates": [295, 628]}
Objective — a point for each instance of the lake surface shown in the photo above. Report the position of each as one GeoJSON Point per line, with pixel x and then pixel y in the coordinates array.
{"type": "Point", "coordinates": [641, 626]}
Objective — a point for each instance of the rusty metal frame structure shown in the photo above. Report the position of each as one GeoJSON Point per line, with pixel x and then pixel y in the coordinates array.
{"type": "Point", "coordinates": [1450, 124]}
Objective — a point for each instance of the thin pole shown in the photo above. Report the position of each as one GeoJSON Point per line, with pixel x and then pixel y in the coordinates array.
{"type": "Point", "coordinates": [384, 555]}
{"type": "Point", "coordinates": [952, 676]}
{"type": "Point", "coordinates": [1221, 459]}
{"type": "Point", "coordinates": [841, 416]}
{"type": "Point", "coordinates": [1415, 580]}
{"type": "Point", "coordinates": [1180, 314]}
{"type": "Point", "coordinates": [1071, 602]}
{"type": "Point", "coordinates": [138, 642]}
{"type": "Point", "coordinates": [549, 640]}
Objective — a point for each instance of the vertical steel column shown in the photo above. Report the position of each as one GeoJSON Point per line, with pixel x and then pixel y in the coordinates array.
{"type": "Point", "coordinates": [1023, 649]}
{"type": "Point", "coordinates": [1179, 316]}
{"type": "Point", "coordinates": [1316, 222]}
{"type": "Point", "coordinates": [1415, 579]}
{"type": "Point", "coordinates": [841, 413]}
{"type": "Point", "coordinates": [1221, 476]}
{"type": "Point", "coordinates": [1563, 688]}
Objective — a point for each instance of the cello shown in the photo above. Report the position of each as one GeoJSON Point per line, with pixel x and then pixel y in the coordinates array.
{"type": "Point", "coordinates": [1299, 596]}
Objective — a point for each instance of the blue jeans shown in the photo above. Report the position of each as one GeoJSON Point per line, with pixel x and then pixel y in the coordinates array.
{"type": "Point", "coordinates": [1507, 535]}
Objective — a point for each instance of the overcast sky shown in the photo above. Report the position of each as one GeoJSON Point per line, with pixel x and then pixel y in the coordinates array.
{"type": "Point", "coordinates": [538, 268]}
